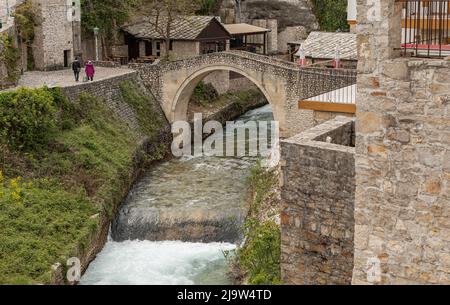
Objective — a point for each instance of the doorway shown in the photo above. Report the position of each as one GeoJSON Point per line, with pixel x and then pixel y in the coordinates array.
{"type": "Point", "coordinates": [67, 58]}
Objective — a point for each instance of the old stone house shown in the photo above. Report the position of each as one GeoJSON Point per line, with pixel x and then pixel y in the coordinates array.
{"type": "Point", "coordinates": [57, 38]}
{"type": "Point", "coordinates": [189, 36]}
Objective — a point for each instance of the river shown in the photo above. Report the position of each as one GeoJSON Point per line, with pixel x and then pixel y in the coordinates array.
{"type": "Point", "coordinates": [177, 222]}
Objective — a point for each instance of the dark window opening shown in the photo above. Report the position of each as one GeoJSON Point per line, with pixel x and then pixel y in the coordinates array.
{"type": "Point", "coordinates": [148, 48]}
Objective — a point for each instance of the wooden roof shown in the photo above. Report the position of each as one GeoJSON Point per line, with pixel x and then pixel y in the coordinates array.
{"type": "Point", "coordinates": [244, 29]}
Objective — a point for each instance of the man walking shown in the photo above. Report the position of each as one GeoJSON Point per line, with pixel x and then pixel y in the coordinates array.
{"type": "Point", "coordinates": [76, 67]}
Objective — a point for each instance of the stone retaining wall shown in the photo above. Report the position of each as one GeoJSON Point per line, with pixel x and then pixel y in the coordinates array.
{"type": "Point", "coordinates": [109, 90]}
{"type": "Point", "coordinates": [317, 215]}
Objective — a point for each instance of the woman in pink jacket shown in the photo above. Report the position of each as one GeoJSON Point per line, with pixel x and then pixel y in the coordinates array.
{"type": "Point", "coordinates": [90, 70]}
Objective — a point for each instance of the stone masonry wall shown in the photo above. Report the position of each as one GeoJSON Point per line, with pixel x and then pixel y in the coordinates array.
{"type": "Point", "coordinates": [109, 90]}
{"type": "Point", "coordinates": [402, 207]}
{"type": "Point", "coordinates": [317, 215]}
{"type": "Point", "coordinates": [321, 117]}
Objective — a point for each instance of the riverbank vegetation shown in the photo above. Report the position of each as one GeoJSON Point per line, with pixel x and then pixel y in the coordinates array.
{"type": "Point", "coordinates": [257, 262]}
{"type": "Point", "coordinates": [63, 167]}
{"type": "Point", "coordinates": [208, 101]}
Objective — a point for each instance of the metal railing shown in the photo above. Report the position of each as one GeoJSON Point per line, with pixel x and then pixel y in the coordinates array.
{"type": "Point", "coordinates": [329, 85]}
{"type": "Point", "coordinates": [426, 28]}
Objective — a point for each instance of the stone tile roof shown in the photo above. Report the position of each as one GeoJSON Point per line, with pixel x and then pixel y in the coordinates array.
{"type": "Point", "coordinates": [323, 45]}
{"type": "Point", "coordinates": [183, 28]}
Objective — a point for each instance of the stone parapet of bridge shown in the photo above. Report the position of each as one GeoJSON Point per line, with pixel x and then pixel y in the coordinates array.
{"type": "Point", "coordinates": [282, 83]}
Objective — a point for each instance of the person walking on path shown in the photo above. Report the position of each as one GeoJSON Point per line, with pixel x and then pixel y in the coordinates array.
{"type": "Point", "coordinates": [76, 68]}
{"type": "Point", "coordinates": [90, 70]}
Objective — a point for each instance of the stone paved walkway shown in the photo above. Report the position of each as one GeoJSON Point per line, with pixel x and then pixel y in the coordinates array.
{"type": "Point", "coordinates": [65, 78]}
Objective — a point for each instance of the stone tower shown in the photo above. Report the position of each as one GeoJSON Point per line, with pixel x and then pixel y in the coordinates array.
{"type": "Point", "coordinates": [57, 39]}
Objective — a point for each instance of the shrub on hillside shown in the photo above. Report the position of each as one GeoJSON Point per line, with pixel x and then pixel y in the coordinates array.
{"type": "Point", "coordinates": [27, 118]}
{"type": "Point", "coordinates": [332, 14]}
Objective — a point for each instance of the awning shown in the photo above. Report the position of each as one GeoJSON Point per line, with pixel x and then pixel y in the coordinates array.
{"type": "Point", "coordinates": [244, 29]}
{"type": "Point", "coordinates": [346, 95]}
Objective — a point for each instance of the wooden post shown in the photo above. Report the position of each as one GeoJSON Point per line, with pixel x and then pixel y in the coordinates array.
{"type": "Point", "coordinates": [265, 43]}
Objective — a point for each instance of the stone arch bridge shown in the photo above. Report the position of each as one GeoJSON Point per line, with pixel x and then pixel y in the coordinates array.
{"type": "Point", "coordinates": [283, 84]}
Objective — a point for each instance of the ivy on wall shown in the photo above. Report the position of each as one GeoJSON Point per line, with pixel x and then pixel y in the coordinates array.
{"type": "Point", "coordinates": [9, 57]}
{"type": "Point", "coordinates": [26, 20]}
{"type": "Point", "coordinates": [332, 14]}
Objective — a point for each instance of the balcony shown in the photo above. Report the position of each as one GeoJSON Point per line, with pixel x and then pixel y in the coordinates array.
{"type": "Point", "coordinates": [426, 28]}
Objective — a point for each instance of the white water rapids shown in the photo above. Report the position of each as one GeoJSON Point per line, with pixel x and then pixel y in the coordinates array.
{"type": "Point", "coordinates": [220, 186]}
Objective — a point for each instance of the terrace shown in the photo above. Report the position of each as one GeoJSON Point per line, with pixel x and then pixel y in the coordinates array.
{"type": "Point", "coordinates": [425, 28]}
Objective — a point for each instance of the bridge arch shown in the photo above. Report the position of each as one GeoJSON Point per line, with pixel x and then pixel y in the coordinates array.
{"type": "Point", "coordinates": [180, 103]}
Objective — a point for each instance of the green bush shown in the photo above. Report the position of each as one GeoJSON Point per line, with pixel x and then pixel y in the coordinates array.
{"type": "Point", "coordinates": [45, 216]}
{"type": "Point", "coordinates": [259, 258]}
{"type": "Point", "coordinates": [204, 94]}
{"type": "Point", "coordinates": [27, 118]}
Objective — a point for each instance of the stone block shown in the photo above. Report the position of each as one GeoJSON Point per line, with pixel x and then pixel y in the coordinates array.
{"type": "Point", "coordinates": [397, 70]}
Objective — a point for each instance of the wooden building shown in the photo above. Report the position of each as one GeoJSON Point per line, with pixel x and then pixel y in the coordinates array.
{"type": "Point", "coordinates": [190, 36]}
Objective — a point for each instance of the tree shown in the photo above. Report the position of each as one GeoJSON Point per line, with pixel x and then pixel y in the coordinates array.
{"type": "Point", "coordinates": [332, 14]}
{"type": "Point", "coordinates": [163, 14]}
{"type": "Point", "coordinates": [208, 7]}
{"type": "Point", "coordinates": [107, 15]}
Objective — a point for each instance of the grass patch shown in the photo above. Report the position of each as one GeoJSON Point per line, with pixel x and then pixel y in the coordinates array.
{"type": "Point", "coordinates": [48, 194]}
{"type": "Point", "coordinates": [40, 225]}
{"type": "Point", "coordinates": [149, 119]}
{"type": "Point", "coordinates": [258, 261]}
